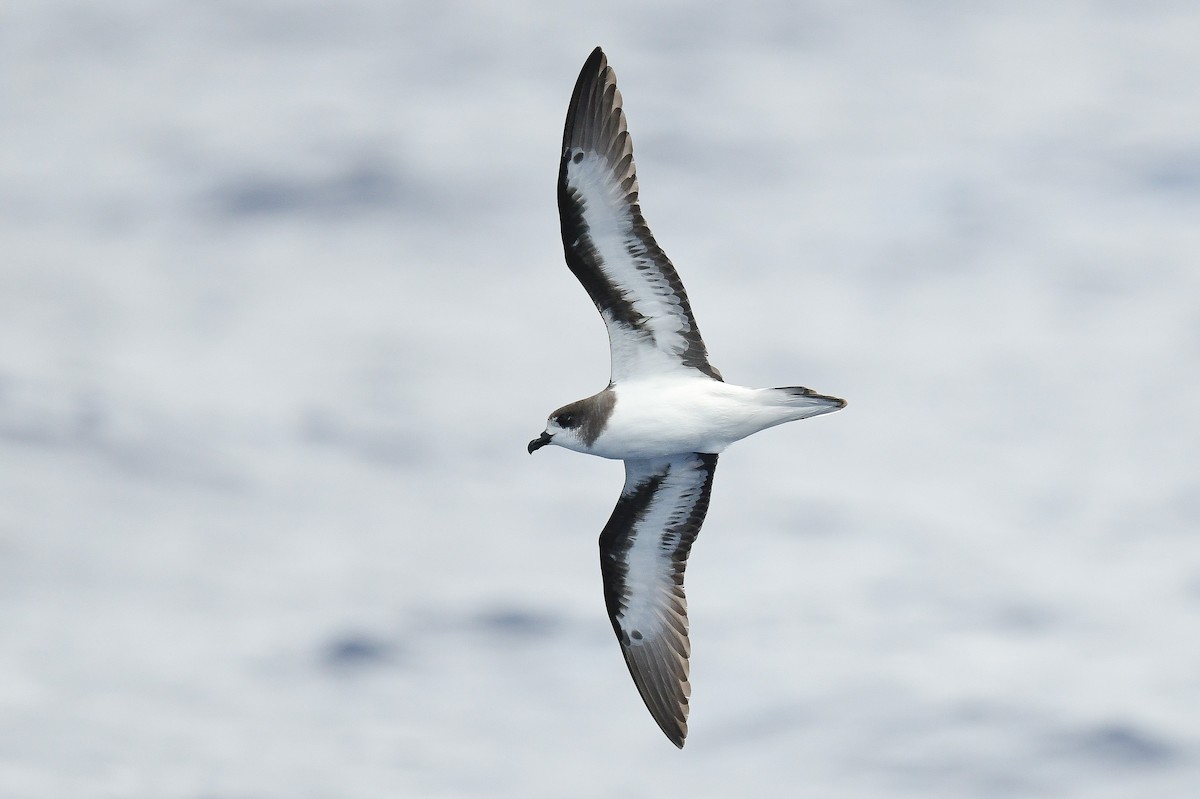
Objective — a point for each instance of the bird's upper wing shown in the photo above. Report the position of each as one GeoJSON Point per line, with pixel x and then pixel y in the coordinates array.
{"type": "Point", "coordinates": [608, 245]}
{"type": "Point", "coordinates": [643, 552]}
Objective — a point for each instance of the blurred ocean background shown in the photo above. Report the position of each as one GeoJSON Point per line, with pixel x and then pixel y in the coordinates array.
{"type": "Point", "coordinates": [282, 299]}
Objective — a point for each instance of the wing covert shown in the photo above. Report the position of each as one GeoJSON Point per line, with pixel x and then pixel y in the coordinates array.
{"type": "Point", "coordinates": [643, 554]}
{"type": "Point", "coordinates": [607, 243]}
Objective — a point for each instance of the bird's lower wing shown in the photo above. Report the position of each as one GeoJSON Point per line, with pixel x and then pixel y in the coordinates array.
{"type": "Point", "coordinates": [643, 554]}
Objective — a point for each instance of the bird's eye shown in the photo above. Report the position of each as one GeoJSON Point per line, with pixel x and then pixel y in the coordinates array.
{"type": "Point", "coordinates": [566, 420]}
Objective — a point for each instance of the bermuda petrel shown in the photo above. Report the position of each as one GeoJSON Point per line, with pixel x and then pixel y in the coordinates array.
{"type": "Point", "coordinates": [666, 412]}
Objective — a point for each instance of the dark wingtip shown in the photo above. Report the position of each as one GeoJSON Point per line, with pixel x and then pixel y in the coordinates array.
{"type": "Point", "coordinates": [595, 55]}
{"type": "Point", "coordinates": [675, 730]}
{"type": "Point", "coordinates": [592, 68]}
{"type": "Point", "coordinates": [592, 72]}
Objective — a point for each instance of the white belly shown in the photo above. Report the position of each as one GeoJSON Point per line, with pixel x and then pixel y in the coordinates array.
{"type": "Point", "coordinates": [665, 417]}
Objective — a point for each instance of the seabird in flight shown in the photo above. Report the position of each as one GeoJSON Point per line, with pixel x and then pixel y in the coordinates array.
{"type": "Point", "coordinates": [666, 412]}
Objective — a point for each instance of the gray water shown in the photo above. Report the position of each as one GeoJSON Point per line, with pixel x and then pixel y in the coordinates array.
{"type": "Point", "coordinates": [282, 299]}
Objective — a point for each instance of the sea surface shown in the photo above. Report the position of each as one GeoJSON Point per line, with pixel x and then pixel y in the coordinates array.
{"type": "Point", "coordinates": [282, 299]}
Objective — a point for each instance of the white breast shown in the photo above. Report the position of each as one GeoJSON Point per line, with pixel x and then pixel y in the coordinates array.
{"type": "Point", "coordinates": [666, 416]}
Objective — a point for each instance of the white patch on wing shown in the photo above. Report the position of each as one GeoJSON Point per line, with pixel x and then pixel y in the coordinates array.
{"type": "Point", "coordinates": [652, 597]}
{"type": "Point", "coordinates": [650, 587]}
{"type": "Point", "coordinates": [625, 262]}
{"type": "Point", "coordinates": [643, 554]}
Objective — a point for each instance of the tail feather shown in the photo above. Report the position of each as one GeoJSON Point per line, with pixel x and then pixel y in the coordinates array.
{"type": "Point", "coordinates": [805, 401]}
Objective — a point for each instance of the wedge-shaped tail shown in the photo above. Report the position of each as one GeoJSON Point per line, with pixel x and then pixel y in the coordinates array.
{"type": "Point", "coordinates": [803, 401]}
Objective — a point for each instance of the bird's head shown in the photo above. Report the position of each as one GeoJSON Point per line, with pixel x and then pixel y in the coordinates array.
{"type": "Point", "coordinates": [562, 429]}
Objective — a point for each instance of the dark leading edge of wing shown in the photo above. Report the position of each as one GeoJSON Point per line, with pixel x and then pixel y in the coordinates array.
{"type": "Point", "coordinates": [643, 554]}
{"type": "Point", "coordinates": [607, 243]}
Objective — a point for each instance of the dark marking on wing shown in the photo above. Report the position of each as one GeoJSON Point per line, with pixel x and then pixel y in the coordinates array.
{"type": "Point", "coordinates": [596, 124]}
{"type": "Point", "coordinates": [657, 660]}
